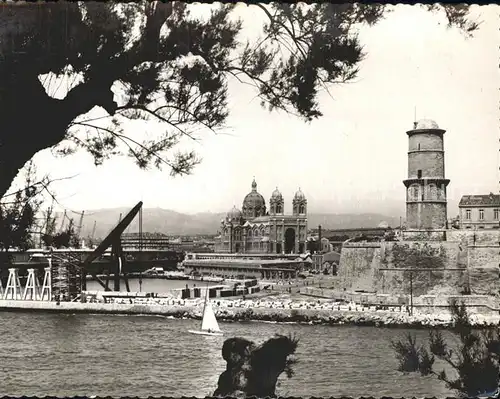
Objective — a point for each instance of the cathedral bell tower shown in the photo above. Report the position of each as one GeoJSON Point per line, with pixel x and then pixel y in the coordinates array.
{"type": "Point", "coordinates": [276, 203]}
{"type": "Point", "coordinates": [426, 184]}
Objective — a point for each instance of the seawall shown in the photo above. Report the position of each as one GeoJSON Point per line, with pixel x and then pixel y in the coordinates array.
{"type": "Point", "coordinates": [277, 315]}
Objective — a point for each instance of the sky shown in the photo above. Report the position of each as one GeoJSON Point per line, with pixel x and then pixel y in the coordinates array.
{"type": "Point", "coordinates": [351, 160]}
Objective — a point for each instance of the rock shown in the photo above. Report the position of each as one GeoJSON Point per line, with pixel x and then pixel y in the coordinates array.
{"type": "Point", "coordinates": [254, 370]}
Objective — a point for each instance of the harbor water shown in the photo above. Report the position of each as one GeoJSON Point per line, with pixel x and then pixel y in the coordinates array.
{"type": "Point", "coordinates": [110, 355]}
{"type": "Point", "coordinates": [67, 355]}
{"type": "Point", "coordinates": [152, 285]}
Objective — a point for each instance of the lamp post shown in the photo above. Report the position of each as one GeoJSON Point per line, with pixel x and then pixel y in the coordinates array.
{"type": "Point", "coordinates": [424, 269]}
{"type": "Point", "coordinates": [411, 293]}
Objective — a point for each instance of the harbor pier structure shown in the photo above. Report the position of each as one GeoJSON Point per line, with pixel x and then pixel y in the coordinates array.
{"type": "Point", "coordinates": [32, 291]}
{"type": "Point", "coordinates": [65, 277]}
{"type": "Point", "coordinates": [426, 183]}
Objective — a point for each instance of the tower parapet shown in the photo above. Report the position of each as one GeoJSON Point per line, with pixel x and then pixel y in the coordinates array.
{"type": "Point", "coordinates": [426, 185]}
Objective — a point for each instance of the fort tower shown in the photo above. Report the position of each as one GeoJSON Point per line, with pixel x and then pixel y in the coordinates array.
{"type": "Point", "coordinates": [426, 183]}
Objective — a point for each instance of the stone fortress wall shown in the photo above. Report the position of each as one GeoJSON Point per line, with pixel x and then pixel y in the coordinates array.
{"type": "Point", "coordinates": [467, 259]}
{"type": "Point", "coordinates": [455, 262]}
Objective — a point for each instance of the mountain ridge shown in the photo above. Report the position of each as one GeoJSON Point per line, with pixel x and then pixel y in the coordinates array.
{"type": "Point", "coordinates": [166, 221]}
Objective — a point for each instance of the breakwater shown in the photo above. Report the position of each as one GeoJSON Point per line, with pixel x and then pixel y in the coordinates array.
{"type": "Point", "coordinates": [230, 313]}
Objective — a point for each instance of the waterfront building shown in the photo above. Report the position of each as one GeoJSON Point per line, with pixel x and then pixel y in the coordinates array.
{"type": "Point", "coordinates": [269, 269]}
{"type": "Point", "coordinates": [426, 183]}
{"type": "Point", "coordinates": [479, 211]}
{"type": "Point", "coordinates": [254, 229]}
{"type": "Point", "coordinates": [327, 263]}
{"type": "Point", "coordinates": [254, 266]}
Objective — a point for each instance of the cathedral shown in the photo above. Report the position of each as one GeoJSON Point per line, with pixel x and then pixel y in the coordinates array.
{"type": "Point", "coordinates": [253, 229]}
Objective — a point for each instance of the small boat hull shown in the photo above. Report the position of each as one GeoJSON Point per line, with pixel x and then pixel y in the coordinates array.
{"type": "Point", "coordinates": [215, 334]}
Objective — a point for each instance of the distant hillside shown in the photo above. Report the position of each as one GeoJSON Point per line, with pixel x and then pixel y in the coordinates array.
{"type": "Point", "coordinates": [157, 220]}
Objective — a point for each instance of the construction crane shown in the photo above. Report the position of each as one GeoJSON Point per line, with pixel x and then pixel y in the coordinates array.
{"type": "Point", "coordinates": [48, 221]}
{"type": "Point", "coordinates": [93, 231]}
{"type": "Point", "coordinates": [80, 225]}
{"type": "Point", "coordinates": [62, 222]}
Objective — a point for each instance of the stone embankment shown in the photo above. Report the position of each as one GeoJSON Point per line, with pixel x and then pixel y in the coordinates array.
{"type": "Point", "coordinates": [241, 311]}
{"type": "Point", "coordinates": [346, 317]}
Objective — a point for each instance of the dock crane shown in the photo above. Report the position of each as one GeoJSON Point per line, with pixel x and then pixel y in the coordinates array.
{"type": "Point", "coordinates": [80, 224]}
{"type": "Point", "coordinates": [62, 221]}
{"type": "Point", "coordinates": [93, 231]}
{"type": "Point", "coordinates": [112, 240]}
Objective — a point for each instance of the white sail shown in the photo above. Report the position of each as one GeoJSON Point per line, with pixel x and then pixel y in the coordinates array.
{"type": "Point", "coordinates": [209, 321]}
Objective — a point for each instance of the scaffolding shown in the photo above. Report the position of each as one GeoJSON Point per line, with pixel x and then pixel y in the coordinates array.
{"type": "Point", "coordinates": [67, 277]}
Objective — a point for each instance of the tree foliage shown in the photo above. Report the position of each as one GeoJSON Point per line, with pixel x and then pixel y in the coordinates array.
{"type": "Point", "coordinates": [475, 359]}
{"type": "Point", "coordinates": [67, 238]}
{"type": "Point", "coordinates": [159, 61]}
{"type": "Point", "coordinates": [18, 213]}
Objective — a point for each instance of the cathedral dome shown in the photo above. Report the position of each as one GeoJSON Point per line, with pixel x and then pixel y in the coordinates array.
{"type": "Point", "coordinates": [234, 213]}
{"type": "Point", "coordinates": [299, 196]}
{"type": "Point", "coordinates": [276, 194]}
{"type": "Point", "coordinates": [254, 200]}
{"type": "Point", "coordinates": [426, 124]}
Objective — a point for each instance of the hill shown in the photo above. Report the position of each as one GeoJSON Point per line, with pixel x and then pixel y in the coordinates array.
{"type": "Point", "coordinates": [158, 220]}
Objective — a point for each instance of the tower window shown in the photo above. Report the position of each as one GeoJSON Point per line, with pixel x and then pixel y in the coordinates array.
{"type": "Point", "coordinates": [302, 209]}
{"type": "Point", "coordinates": [481, 214]}
{"type": "Point", "coordinates": [467, 214]}
{"type": "Point", "coordinates": [419, 146]}
{"type": "Point", "coordinates": [419, 173]}
{"type": "Point", "coordinates": [495, 214]}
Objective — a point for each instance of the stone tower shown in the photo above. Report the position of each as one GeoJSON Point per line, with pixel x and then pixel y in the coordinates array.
{"type": "Point", "coordinates": [426, 183]}
{"type": "Point", "coordinates": [276, 203]}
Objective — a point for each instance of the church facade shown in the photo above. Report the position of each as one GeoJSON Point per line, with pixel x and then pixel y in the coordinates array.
{"type": "Point", "coordinates": [256, 229]}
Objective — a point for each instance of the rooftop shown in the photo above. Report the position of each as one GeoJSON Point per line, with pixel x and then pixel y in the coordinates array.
{"type": "Point", "coordinates": [480, 200]}
{"type": "Point", "coordinates": [426, 124]}
{"type": "Point", "coordinates": [243, 261]}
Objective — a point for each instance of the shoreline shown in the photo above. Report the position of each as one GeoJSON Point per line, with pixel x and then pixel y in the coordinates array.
{"type": "Point", "coordinates": [387, 319]}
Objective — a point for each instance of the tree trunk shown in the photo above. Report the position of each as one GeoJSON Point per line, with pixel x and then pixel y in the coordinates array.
{"type": "Point", "coordinates": [32, 121]}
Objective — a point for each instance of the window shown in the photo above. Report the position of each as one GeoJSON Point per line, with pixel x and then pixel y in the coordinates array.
{"type": "Point", "coordinates": [432, 191]}
{"type": "Point", "coordinates": [467, 214]}
{"type": "Point", "coordinates": [419, 173]}
{"type": "Point", "coordinates": [302, 209]}
{"type": "Point", "coordinates": [278, 209]}
{"type": "Point", "coordinates": [419, 146]}
{"type": "Point", "coordinates": [495, 214]}
{"type": "Point", "coordinates": [481, 214]}
{"type": "Point", "coordinates": [414, 192]}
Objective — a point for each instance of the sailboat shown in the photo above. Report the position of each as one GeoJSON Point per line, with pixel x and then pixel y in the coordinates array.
{"type": "Point", "coordinates": [209, 325]}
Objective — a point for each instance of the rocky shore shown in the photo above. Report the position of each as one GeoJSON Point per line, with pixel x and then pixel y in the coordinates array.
{"type": "Point", "coordinates": [328, 317]}
{"type": "Point", "coordinates": [341, 317]}
{"type": "Point", "coordinates": [227, 311]}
